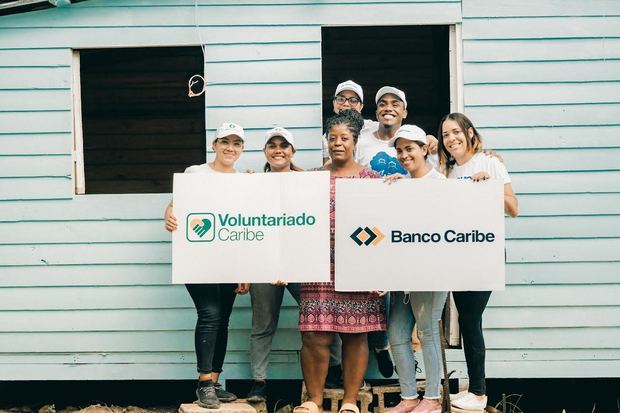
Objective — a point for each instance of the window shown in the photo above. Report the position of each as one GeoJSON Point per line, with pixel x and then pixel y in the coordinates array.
{"type": "Point", "coordinates": [415, 59]}
{"type": "Point", "coordinates": [137, 125]}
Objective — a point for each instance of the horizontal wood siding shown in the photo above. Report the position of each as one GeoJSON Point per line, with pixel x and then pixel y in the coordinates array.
{"type": "Point", "coordinates": [541, 81]}
{"type": "Point", "coordinates": [85, 280]}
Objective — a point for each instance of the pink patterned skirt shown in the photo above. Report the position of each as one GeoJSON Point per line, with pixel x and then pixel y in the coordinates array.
{"type": "Point", "coordinates": [321, 308]}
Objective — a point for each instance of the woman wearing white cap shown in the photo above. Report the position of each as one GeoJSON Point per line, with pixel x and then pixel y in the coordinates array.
{"type": "Point", "coordinates": [267, 298]}
{"type": "Point", "coordinates": [423, 308]}
{"type": "Point", "coordinates": [461, 157]}
{"type": "Point", "coordinates": [213, 302]}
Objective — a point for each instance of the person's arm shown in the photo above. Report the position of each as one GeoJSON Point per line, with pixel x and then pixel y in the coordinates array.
{"type": "Point", "coordinates": [431, 141]}
{"type": "Point", "coordinates": [511, 204]}
{"type": "Point", "coordinates": [170, 221]}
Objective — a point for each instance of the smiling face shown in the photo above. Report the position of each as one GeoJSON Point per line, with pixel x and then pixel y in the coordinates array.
{"type": "Point", "coordinates": [279, 154]}
{"type": "Point", "coordinates": [227, 150]}
{"type": "Point", "coordinates": [340, 143]}
{"type": "Point", "coordinates": [411, 155]}
{"type": "Point", "coordinates": [455, 140]}
{"type": "Point", "coordinates": [343, 101]}
{"type": "Point", "coordinates": [390, 110]}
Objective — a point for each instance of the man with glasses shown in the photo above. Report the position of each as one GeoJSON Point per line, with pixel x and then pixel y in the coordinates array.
{"type": "Point", "coordinates": [349, 95]}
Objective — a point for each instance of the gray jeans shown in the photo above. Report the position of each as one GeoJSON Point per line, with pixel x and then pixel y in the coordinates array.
{"type": "Point", "coordinates": [266, 302]}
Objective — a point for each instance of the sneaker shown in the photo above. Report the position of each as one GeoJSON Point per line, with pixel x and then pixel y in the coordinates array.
{"type": "Point", "coordinates": [334, 377]}
{"type": "Point", "coordinates": [469, 403]}
{"type": "Point", "coordinates": [207, 396]}
{"type": "Point", "coordinates": [223, 395]}
{"type": "Point", "coordinates": [405, 406]}
{"type": "Point", "coordinates": [384, 361]}
{"type": "Point", "coordinates": [458, 395]}
{"type": "Point", "coordinates": [258, 392]}
{"type": "Point", "coordinates": [428, 406]}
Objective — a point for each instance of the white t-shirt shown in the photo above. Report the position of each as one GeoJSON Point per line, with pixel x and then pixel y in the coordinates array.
{"type": "Point", "coordinates": [375, 154]}
{"type": "Point", "coordinates": [204, 168]}
{"type": "Point", "coordinates": [480, 162]}
{"type": "Point", "coordinates": [433, 174]}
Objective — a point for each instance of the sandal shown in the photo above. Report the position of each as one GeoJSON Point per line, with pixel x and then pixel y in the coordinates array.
{"type": "Point", "coordinates": [349, 407]}
{"type": "Point", "coordinates": [307, 407]}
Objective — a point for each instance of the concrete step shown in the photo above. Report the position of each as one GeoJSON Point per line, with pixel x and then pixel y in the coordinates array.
{"type": "Point", "coordinates": [238, 406]}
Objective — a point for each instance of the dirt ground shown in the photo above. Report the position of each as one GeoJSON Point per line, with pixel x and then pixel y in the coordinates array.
{"type": "Point", "coordinates": [523, 395]}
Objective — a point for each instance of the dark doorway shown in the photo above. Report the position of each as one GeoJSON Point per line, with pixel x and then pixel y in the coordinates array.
{"type": "Point", "coordinates": [414, 59]}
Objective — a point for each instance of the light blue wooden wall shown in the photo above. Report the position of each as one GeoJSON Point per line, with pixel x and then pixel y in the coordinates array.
{"type": "Point", "coordinates": [542, 80]}
{"type": "Point", "coordinates": [84, 280]}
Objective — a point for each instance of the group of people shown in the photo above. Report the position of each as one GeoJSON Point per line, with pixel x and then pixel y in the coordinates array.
{"type": "Point", "coordinates": [336, 326]}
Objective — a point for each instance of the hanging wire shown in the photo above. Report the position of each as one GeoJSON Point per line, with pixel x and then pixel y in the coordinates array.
{"type": "Point", "coordinates": [197, 78]}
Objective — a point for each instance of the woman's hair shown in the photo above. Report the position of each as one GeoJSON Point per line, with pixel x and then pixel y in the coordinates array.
{"type": "Point", "coordinates": [350, 118]}
{"type": "Point", "coordinates": [446, 161]}
{"type": "Point", "coordinates": [267, 167]}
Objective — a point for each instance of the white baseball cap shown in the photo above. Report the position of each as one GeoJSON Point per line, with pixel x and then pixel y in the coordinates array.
{"type": "Point", "coordinates": [409, 132]}
{"type": "Point", "coordinates": [352, 86]}
{"type": "Point", "coordinates": [281, 132]}
{"type": "Point", "coordinates": [229, 129]}
{"type": "Point", "coordinates": [390, 89]}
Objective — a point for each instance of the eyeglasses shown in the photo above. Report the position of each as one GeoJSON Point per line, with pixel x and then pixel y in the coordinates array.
{"type": "Point", "coordinates": [353, 100]}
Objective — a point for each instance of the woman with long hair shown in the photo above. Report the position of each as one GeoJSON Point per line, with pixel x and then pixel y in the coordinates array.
{"type": "Point", "coordinates": [461, 157]}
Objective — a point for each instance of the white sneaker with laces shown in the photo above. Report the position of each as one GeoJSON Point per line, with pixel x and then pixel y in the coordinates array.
{"type": "Point", "coordinates": [458, 395]}
{"type": "Point", "coordinates": [469, 403]}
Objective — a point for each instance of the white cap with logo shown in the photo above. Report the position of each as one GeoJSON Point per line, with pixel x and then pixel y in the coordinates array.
{"type": "Point", "coordinates": [281, 132]}
{"type": "Point", "coordinates": [409, 132]}
{"type": "Point", "coordinates": [229, 129]}
{"type": "Point", "coordinates": [390, 89]}
{"type": "Point", "coordinates": [352, 86]}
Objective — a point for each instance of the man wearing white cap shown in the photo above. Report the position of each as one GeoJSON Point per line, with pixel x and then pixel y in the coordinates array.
{"type": "Point", "coordinates": [349, 95]}
{"type": "Point", "coordinates": [372, 147]}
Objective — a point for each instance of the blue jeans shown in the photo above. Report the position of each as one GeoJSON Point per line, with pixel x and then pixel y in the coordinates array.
{"type": "Point", "coordinates": [425, 308]}
{"type": "Point", "coordinates": [266, 302]}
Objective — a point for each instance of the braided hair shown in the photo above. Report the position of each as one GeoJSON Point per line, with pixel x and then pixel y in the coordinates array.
{"type": "Point", "coordinates": [350, 118]}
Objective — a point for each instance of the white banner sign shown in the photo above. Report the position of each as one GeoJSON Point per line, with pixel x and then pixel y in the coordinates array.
{"type": "Point", "coordinates": [419, 235]}
{"type": "Point", "coordinates": [251, 227]}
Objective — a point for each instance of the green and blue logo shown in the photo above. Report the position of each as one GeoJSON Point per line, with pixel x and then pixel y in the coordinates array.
{"type": "Point", "coordinates": [207, 227]}
{"type": "Point", "coordinates": [200, 227]}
